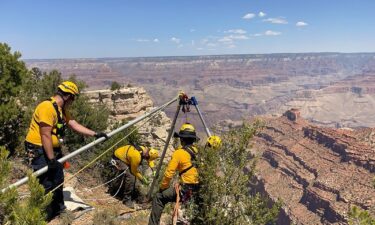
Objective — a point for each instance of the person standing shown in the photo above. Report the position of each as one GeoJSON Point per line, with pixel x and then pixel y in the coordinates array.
{"type": "Point", "coordinates": [183, 160]}
{"type": "Point", "coordinates": [45, 137]}
{"type": "Point", "coordinates": [132, 156]}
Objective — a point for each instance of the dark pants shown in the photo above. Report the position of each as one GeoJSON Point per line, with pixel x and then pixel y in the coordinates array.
{"type": "Point", "coordinates": [49, 180]}
{"type": "Point", "coordinates": [168, 195]}
{"type": "Point", "coordinates": [129, 186]}
{"type": "Point", "coordinates": [128, 182]}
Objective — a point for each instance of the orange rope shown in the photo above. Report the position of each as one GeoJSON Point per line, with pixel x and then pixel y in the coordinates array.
{"type": "Point", "coordinates": [177, 205]}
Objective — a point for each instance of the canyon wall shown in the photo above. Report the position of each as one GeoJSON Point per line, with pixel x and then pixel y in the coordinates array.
{"type": "Point", "coordinates": [318, 173]}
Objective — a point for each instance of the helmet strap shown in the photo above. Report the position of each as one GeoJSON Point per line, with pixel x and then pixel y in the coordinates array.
{"type": "Point", "coordinates": [186, 141]}
{"type": "Point", "coordinates": [63, 96]}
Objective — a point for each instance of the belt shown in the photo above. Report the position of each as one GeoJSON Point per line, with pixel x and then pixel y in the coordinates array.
{"type": "Point", "coordinates": [39, 149]}
{"type": "Point", "coordinates": [190, 186]}
{"type": "Point", "coordinates": [32, 146]}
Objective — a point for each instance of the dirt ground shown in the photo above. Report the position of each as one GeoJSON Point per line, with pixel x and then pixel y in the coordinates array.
{"type": "Point", "coordinates": [105, 208]}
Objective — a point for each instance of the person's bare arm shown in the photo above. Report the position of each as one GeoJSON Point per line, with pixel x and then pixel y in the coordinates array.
{"type": "Point", "coordinates": [80, 128]}
{"type": "Point", "coordinates": [45, 133]}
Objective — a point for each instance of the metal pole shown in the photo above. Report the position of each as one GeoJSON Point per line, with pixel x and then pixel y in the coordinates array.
{"type": "Point", "coordinates": [195, 103]}
{"type": "Point", "coordinates": [91, 144]}
{"type": "Point", "coordinates": [164, 151]}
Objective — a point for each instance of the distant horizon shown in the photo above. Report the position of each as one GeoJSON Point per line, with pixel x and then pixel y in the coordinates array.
{"type": "Point", "coordinates": [100, 29]}
{"type": "Point", "coordinates": [182, 56]}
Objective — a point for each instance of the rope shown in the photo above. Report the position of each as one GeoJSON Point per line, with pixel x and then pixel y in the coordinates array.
{"type": "Point", "coordinates": [106, 151]}
{"type": "Point", "coordinates": [112, 196]}
{"type": "Point", "coordinates": [100, 185]}
{"type": "Point", "coordinates": [177, 205]}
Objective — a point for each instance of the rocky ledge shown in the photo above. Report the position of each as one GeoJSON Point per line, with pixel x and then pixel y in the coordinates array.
{"type": "Point", "coordinates": [128, 103]}
{"type": "Point", "coordinates": [318, 173]}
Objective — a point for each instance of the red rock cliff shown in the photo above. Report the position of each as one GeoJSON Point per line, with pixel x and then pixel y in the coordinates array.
{"type": "Point", "coordinates": [318, 173]}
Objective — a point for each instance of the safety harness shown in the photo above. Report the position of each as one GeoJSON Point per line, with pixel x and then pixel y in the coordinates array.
{"type": "Point", "coordinates": [184, 192]}
{"type": "Point", "coordinates": [194, 163]}
{"type": "Point", "coordinates": [137, 147]}
{"type": "Point", "coordinates": [61, 124]}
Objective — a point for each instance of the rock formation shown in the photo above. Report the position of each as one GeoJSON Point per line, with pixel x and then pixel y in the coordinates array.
{"type": "Point", "coordinates": [318, 173]}
{"type": "Point", "coordinates": [128, 103]}
{"type": "Point", "coordinates": [237, 86]}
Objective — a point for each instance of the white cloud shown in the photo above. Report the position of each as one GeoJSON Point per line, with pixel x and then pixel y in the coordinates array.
{"type": "Point", "coordinates": [230, 38]}
{"type": "Point", "coordinates": [211, 45]}
{"type": "Point", "coordinates": [236, 31]}
{"type": "Point", "coordinates": [192, 42]}
{"type": "Point", "coordinates": [142, 40]}
{"type": "Point", "coordinates": [156, 40]}
{"type": "Point", "coordinates": [239, 37]}
{"type": "Point", "coordinates": [261, 14]}
{"type": "Point", "coordinates": [301, 24]}
{"type": "Point", "coordinates": [276, 20]}
{"type": "Point", "coordinates": [180, 46]}
{"type": "Point", "coordinates": [199, 49]}
{"type": "Point", "coordinates": [231, 46]}
{"type": "Point", "coordinates": [248, 16]}
{"type": "Point", "coordinates": [257, 35]}
{"type": "Point", "coordinates": [204, 41]}
{"type": "Point", "coordinates": [272, 33]}
{"type": "Point", "coordinates": [176, 40]}
{"type": "Point", "coordinates": [192, 30]}
{"type": "Point", "coordinates": [225, 39]}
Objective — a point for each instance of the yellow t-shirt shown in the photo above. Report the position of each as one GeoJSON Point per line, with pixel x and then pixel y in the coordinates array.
{"type": "Point", "coordinates": [131, 157]}
{"type": "Point", "coordinates": [45, 113]}
{"type": "Point", "coordinates": [180, 160]}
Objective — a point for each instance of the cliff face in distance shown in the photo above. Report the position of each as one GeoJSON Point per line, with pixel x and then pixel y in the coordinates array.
{"type": "Point", "coordinates": [231, 87]}
{"type": "Point", "coordinates": [318, 173]}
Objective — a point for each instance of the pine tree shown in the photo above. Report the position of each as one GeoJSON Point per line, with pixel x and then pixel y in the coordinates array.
{"type": "Point", "coordinates": [12, 74]}
{"type": "Point", "coordinates": [27, 211]}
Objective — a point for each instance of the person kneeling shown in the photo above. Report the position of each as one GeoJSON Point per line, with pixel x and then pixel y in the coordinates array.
{"type": "Point", "coordinates": [128, 158]}
{"type": "Point", "coordinates": [183, 161]}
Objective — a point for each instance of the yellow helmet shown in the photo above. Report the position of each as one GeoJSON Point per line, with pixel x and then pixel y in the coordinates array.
{"type": "Point", "coordinates": [186, 131]}
{"type": "Point", "coordinates": [69, 87]}
{"type": "Point", "coordinates": [153, 154]}
{"type": "Point", "coordinates": [214, 141]}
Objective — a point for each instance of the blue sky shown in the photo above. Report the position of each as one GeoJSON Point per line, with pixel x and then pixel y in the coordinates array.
{"type": "Point", "coordinates": [115, 28]}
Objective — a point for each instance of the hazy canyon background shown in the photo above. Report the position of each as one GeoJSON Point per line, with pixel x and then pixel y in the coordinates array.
{"type": "Point", "coordinates": [330, 89]}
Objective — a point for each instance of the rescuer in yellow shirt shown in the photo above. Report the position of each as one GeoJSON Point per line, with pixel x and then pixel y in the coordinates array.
{"type": "Point", "coordinates": [132, 156]}
{"type": "Point", "coordinates": [45, 137]}
{"type": "Point", "coordinates": [182, 161]}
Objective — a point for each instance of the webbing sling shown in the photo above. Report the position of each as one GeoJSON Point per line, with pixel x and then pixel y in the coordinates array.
{"type": "Point", "coordinates": [193, 158]}
{"type": "Point", "coordinates": [137, 147]}
{"type": "Point", "coordinates": [60, 126]}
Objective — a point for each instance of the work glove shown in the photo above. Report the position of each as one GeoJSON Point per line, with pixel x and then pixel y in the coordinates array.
{"type": "Point", "coordinates": [100, 134]}
{"type": "Point", "coordinates": [145, 181]}
{"type": "Point", "coordinates": [54, 165]}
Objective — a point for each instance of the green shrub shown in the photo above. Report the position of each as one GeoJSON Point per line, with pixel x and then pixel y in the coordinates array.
{"type": "Point", "coordinates": [360, 217]}
{"type": "Point", "coordinates": [13, 72]}
{"type": "Point", "coordinates": [115, 86]}
{"type": "Point", "coordinates": [225, 196]}
{"type": "Point", "coordinates": [27, 211]}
